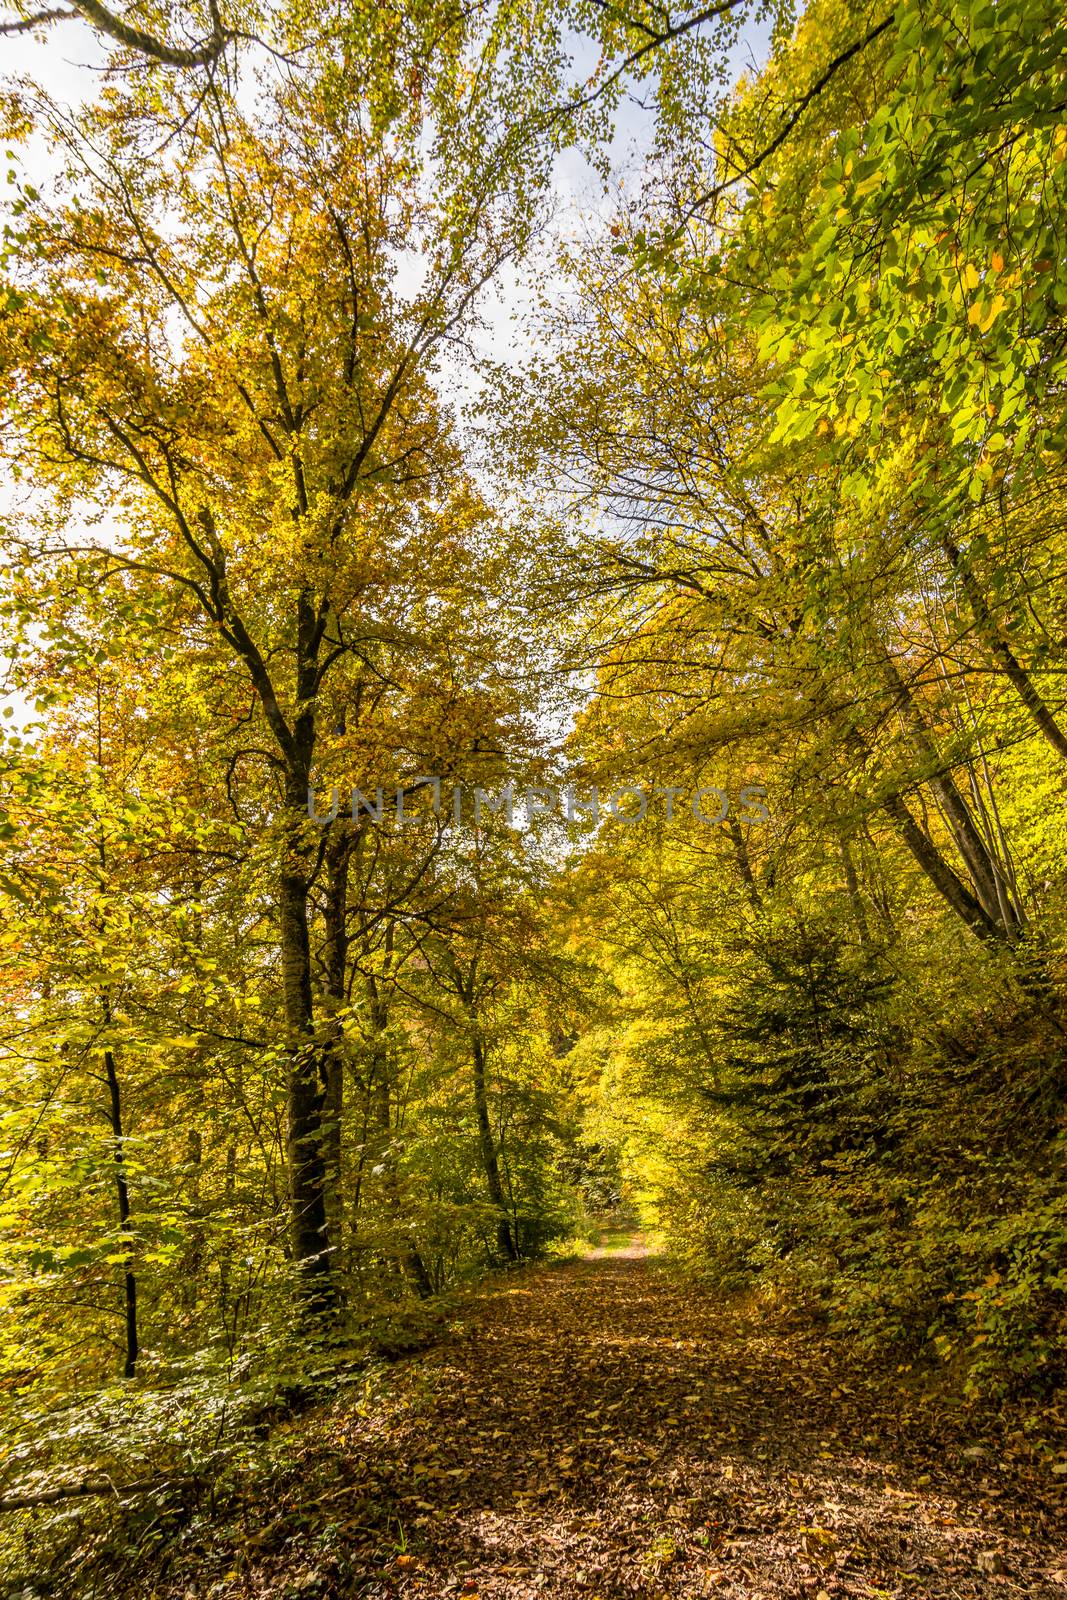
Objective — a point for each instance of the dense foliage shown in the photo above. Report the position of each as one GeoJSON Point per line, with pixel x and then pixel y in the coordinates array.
{"type": "Point", "coordinates": [776, 508]}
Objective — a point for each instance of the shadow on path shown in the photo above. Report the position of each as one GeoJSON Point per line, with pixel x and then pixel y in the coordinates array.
{"type": "Point", "coordinates": [602, 1429]}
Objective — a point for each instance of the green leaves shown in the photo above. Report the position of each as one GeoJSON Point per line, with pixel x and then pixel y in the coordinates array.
{"type": "Point", "coordinates": [913, 213]}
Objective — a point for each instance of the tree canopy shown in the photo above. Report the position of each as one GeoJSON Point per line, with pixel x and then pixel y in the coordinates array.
{"type": "Point", "coordinates": [625, 783]}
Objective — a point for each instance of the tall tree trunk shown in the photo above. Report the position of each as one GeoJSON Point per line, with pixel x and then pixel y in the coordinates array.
{"type": "Point", "coordinates": [1013, 669]}
{"type": "Point", "coordinates": [410, 1257]}
{"type": "Point", "coordinates": [193, 1265]}
{"type": "Point", "coordinates": [118, 1136]}
{"type": "Point", "coordinates": [983, 869]}
{"type": "Point", "coordinates": [336, 965]}
{"type": "Point", "coordinates": [304, 1088]}
{"type": "Point", "coordinates": [229, 1190]}
{"type": "Point", "coordinates": [125, 1224]}
{"type": "Point", "coordinates": [490, 1161]}
{"type": "Point", "coordinates": [948, 885]}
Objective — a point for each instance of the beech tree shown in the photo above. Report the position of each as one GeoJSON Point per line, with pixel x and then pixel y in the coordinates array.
{"type": "Point", "coordinates": [243, 385]}
{"type": "Point", "coordinates": [299, 1033]}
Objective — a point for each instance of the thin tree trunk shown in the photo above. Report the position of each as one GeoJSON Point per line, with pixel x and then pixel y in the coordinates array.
{"type": "Point", "coordinates": [411, 1259]}
{"type": "Point", "coordinates": [122, 1189]}
{"type": "Point", "coordinates": [981, 866]}
{"type": "Point", "coordinates": [229, 1189]}
{"type": "Point", "coordinates": [1009, 896]}
{"type": "Point", "coordinates": [948, 885]}
{"type": "Point", "coordinates": [125, 1224]}
{"type": "Point", "coordinates": [490, 1160]}
{"type": "Point", "coordinates": [1012, 667]}
{"type": "Point", "coordinates": [410, 1256]}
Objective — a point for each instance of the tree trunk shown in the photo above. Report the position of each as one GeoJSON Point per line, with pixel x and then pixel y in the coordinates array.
{"type": "Point", "coordinates": [490, 1162]}
{"type": "Point", "coordinates": [304, 1088]}
{"type": "Point", "coordinates": [1012, 667]}
{"type": "Point", "coordinates": [940, 874]}
{"type": "Point", "coordinates": [336, 963]}
{"type": "Point", "coordinates": [125, 1224]}
{"type": "Point", "coordinates": [984, 870]}
{"type": "Point", "coordinates": [852, 883]}
{"type": "Point", "coordinates": [410, 1257]}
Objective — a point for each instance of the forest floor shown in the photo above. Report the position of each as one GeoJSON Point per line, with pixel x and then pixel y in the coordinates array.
{"type": "Point", "coordinates": [603, 1429]}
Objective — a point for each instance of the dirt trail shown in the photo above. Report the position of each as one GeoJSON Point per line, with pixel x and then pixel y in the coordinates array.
{"type": "Point", "coordinates": [602, 1430]}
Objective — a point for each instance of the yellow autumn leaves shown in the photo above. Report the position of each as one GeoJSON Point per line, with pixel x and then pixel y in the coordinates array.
{"type": "Point", "coordinates": [982, 313]}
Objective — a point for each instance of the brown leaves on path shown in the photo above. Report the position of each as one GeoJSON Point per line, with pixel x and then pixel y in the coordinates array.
{"type": "Point", "coordinates": [602, 1430]}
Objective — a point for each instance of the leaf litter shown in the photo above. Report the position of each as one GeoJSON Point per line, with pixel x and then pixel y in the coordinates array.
{"type": "Point", "coordinates": [606, 1430]}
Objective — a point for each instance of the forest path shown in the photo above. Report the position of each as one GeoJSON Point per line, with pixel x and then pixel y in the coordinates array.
{"type": "Point", "coordinates": [602, 1429]}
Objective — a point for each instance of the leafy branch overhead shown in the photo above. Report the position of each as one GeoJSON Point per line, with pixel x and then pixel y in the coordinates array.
{"type": "Point", "coordinates": [534, 624]}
